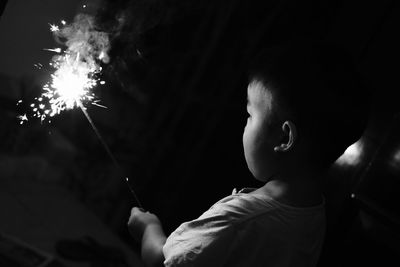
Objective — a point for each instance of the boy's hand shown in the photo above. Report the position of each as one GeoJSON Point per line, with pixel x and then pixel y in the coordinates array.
{"type": "Point", "coordinates": [146, 228]}
{"type": "Point", "coordinates": [139, 221]}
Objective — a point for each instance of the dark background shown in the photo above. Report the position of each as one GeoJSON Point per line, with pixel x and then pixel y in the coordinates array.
{"type": "Point", "coordinates": [176, 96]}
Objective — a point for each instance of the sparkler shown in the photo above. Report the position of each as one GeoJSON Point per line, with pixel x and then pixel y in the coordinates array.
{"type": "Point", "coordinates": [110, 154]}
{"type": "Point", "coordinates": [76, 73]}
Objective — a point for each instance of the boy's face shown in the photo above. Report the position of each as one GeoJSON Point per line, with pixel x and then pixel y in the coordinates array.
{"type": "Point", "coordinates": [258, 138]}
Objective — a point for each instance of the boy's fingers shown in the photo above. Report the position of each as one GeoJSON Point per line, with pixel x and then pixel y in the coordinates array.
{"type": "Point", "coordinates": [136, 211]}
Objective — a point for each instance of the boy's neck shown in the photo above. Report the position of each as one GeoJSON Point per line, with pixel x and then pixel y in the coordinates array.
{"type": "Point", "coordinates": [301, 191]}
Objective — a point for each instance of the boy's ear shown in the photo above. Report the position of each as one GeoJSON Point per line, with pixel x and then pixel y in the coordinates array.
{"type": "Point", "coordinates": [290, 132]}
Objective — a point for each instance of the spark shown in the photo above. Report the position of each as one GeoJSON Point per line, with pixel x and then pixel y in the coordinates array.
{"type": "Point", "coordinates": [102, 55]}
{"type": "Point", "coordinates": [54, 28]}
{"type": "Point", "coordinates": [63, 22]}
{"type": "Point", "coordinates": [101, 106]}
{"type": "Point", "coordinates": [22, 118]}
{"type": "Point", "coordinates": [38, 66]}
{"type": "Point", "coordinates": [57, 50]}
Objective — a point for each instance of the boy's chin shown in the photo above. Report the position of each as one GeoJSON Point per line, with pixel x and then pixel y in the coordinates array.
{"type": "Point", "coordinates": [259, 174]}
{"type": "Point", "coordinates": [265, 176]}
{"type": "Point", "coordinates": [262, 177]}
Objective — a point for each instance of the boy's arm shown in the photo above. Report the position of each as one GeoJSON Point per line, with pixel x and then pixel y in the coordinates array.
{"type": "Point", "coordinates": [146, 227]}
{"type": "Point", "coordinates": [153, 241]}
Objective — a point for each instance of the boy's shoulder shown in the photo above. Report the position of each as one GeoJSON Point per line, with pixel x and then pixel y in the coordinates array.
{"type": "Point", "coordinates": [240, 222]}
{"type": "Point", "coordinates": [253, 204]}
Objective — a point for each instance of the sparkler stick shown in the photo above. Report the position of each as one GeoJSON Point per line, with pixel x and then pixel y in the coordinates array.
{"type": "Point", "coordinates": [110, 154]}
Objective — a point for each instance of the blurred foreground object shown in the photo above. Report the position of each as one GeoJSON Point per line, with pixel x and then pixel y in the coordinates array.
{"type": "Point", "coordinates": [3, 4]}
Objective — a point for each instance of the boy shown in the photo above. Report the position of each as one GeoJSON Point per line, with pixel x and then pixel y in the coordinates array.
{"type": "Point", "coordinates": [303, 105]}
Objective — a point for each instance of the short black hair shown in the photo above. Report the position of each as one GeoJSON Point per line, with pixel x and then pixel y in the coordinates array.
{"type": "Point", "coordinates": [315, 84]}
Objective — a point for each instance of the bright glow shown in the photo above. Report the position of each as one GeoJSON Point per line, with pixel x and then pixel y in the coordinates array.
{"type": "Point", "coordinates": [71, 86]}
{"type": "Point", "coordinates": [397, 156]}
{"type": "Point", "coordinates": [351, 155]}
{"type": "Point", "coordinates": [395, 160]}
{"type": "Point", "coordinates": [75, 69]}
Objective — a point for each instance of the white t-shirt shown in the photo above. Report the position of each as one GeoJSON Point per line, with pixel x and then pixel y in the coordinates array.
{"type": "Point", "coordinates": [249, 230]}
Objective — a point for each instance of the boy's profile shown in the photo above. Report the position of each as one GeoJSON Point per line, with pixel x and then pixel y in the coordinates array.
{"type": "Point", "coordinates": [305, 108]}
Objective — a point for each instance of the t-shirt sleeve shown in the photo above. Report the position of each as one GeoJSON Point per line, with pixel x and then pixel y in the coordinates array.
{"type": "Point", "coordinates": [246, 230]}
{"type": "Point", "coordinates": [201, 242]}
